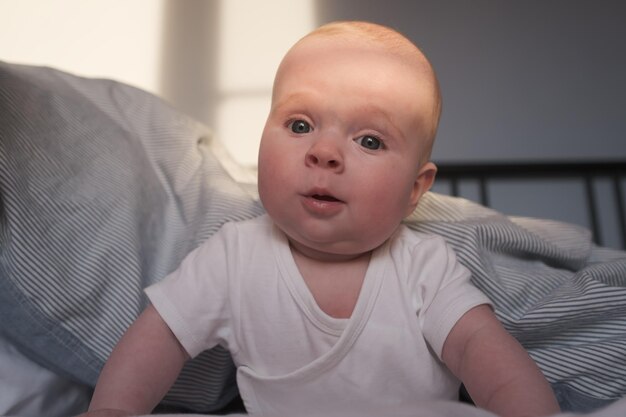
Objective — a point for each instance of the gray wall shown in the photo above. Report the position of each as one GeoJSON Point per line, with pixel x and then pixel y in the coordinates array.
{"type": "Point", "coordinates": [521, 81]}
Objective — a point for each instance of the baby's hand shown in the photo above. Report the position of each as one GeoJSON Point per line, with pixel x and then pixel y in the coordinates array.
{"type": "Point", "coordinates": [106, 413]}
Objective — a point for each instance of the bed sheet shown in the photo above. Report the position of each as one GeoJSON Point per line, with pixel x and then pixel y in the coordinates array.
{"type": "Point", "coordinates": [29, 390]}
{"type": "Point", "coordinates": [452, 409]}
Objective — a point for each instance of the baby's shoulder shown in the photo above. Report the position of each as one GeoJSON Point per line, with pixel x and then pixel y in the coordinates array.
{"type": "Point", "coordinates": [410, 239]}
{"type": "Point", "coordinates": [419, 250]}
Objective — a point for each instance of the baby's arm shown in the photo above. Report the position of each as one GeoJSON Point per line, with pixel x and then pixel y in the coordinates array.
{"type": "Point", "coordinates": [141, 369]}
{"type": "Point", "coordinates": [496, 370]}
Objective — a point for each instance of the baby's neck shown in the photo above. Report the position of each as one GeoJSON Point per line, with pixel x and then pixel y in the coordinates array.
{"type": "Point", "coordinates": [323, 257]}
{"type": "Point", "coordinates": [335, 282]}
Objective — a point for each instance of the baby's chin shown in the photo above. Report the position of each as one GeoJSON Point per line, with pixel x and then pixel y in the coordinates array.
{"type": "Point", "coordinates": [332, 240]}
{"type": "Point", "coordinates": [335, 251]}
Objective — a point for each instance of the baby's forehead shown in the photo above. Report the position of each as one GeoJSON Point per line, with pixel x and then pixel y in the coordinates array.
{"type": "Point", "coordinates": [319, 45]}
{"type": "Point", "coordinates": [335, 43]}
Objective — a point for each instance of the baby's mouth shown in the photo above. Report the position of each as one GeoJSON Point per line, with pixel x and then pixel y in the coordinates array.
{"type": "Point", "coordinates": [324, 197]}
{"type": "Point", "coordinates": [319, 202]}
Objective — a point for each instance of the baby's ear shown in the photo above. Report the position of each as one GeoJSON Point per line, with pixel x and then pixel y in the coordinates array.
{"type": "Point", "coordinates": [423, 182]}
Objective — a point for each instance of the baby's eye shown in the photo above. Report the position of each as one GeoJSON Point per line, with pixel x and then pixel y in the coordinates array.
{"type": "Point", "coordinates": [369, 142]}
{"type": "Point", "coordinates": [300, 126]}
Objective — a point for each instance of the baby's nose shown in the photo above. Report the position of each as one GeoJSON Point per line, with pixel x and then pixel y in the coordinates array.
{"type": "Point", "coordinates": [324, 155]}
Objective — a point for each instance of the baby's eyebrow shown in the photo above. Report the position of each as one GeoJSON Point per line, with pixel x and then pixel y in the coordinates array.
{"type": "Point", "coordinates": [377, 114]}
{"type": "Point", "coordinates": [293, 99]}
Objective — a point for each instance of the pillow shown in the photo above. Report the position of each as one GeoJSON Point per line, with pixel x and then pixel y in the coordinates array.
{"type": "Point", "coordinates": [105, 188]}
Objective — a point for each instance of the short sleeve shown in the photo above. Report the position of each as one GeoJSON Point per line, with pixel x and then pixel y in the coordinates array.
{"type": "Point", "coordinates": [447, 292]}
{"type": "Point", "coordinates": [193, 300]}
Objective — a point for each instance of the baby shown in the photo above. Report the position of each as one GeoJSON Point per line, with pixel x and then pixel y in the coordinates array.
{"type": "Point", "coordinates": [328, 304]}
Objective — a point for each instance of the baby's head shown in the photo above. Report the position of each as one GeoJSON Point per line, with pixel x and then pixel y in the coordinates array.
{"type": "Point", "coordinates": [345, 151]}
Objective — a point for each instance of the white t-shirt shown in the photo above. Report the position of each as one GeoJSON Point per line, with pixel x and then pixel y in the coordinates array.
{"type": "Point", "coordinates": [242, 289]}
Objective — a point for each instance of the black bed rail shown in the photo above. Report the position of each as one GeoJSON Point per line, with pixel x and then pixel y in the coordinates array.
{"type": "Point", "coordinates": [585, 171]}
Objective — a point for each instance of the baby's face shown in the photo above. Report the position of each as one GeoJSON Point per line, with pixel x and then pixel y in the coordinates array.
{"type": "Point", "coordinates": [339, 162]}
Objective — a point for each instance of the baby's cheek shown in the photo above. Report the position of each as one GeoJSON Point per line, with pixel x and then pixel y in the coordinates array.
{"type": "Point", "coordinates": [389, 206]}
{"type": "Point", "coordinates": [384, 214]}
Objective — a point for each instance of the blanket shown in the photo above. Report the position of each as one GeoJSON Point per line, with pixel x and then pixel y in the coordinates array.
{"type": "Point", "coordinates": [452, 409]}
{"type": "Point", "coordinates": [105, 188]}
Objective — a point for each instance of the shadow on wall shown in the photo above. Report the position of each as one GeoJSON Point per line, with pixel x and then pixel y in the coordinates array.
{"type": "Point", "coordinates": [190, 53]}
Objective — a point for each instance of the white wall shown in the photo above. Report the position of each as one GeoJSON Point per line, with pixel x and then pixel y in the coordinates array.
{"type": "Point", "coordinates": [95, 38]}
{"type": "Point", "coordinates": [214, 59]}
{"type": "Point", "coordinates": [253, 37]}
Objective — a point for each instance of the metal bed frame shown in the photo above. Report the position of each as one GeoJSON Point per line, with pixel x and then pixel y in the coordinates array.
{"type": "Point", "coordinates": [586, 172]}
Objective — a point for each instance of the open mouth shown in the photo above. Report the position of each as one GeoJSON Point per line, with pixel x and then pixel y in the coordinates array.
{"type": "Point", "coordinates": [322, 197]}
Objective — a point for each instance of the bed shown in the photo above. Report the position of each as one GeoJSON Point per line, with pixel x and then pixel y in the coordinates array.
{"type": "Point", "coordinates": [596, 187]}
{"type": "Point", "coordinates": [105, 188]}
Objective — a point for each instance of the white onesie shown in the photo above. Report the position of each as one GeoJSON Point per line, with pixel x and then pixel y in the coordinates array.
{"type": "Point", "coordinates": [242, 289]}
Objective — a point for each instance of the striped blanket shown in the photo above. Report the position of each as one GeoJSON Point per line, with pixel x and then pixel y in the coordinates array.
{"type": "Point", "coordinates": [105, 188]}
{"type": "Point", "coordinates": [562, 297]}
